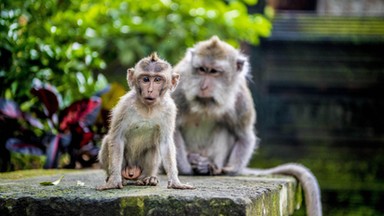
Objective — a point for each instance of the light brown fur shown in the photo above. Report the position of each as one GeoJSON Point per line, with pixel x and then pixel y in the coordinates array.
{"type": "Point", "coordinates": [141, 131]}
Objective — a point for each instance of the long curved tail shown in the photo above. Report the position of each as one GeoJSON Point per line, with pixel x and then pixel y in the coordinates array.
{"type": "Point", "coordinates": [306, 178]}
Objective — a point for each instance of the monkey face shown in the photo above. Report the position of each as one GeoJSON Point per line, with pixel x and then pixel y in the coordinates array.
{"type": "Point", "coordinates": [207, 77]}
{"type": "Point", "coordinates": [209, 85]}
{"type": "Point", "coordinates": [151, 88]}
{"type": "Point", "coordinates": [212, 73]}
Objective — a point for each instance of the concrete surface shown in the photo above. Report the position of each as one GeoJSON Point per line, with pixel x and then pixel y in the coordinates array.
{"type": "Point", "coordinates": [21, 194]}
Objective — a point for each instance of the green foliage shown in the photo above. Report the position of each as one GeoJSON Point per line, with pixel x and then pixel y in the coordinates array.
{"type": "Point", "coordinates": [132, 29]}
{"type": "Point", "coordinates": [66, 42]}
{"type": "Point", "coordinates": [25, 161]}
{"type": "Point", "coordinates": [32, 49]}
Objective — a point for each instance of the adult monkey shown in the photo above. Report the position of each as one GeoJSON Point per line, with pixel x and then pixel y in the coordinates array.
{"type": "Point", "coordinates": [215, 125]}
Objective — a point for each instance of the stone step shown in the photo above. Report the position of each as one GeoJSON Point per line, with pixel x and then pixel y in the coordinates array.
{"type": "Point", "coordinates": [222, 195]}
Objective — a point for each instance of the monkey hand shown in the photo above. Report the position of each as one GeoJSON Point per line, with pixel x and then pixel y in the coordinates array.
{"type": "Point", "coordinates": [179, 185]}
{"type": "Point", "coordinates": [199, 164]}
{"type": "Point", "coordinates": [112, 183]}
{"type": "Point", "coordinates": [202, 165]}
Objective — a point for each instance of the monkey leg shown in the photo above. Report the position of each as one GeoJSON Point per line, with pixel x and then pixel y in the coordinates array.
{"type": "Point", "coordinates": [103, 155]}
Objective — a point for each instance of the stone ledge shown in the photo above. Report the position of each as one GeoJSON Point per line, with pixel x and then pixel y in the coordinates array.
{"type": "Point", "coordinates": [224, 195]}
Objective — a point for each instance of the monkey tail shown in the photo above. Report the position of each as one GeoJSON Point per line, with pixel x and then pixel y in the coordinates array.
{"type": "Point", "coordinates": [305, 177]}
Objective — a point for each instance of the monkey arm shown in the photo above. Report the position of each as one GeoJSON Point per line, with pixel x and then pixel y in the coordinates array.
{"type": "Point", "coordinates": [168, 155]}
{"type": "Point", "coordinates": [242, 123]}
{"type": "Point", "coordinates": [115, 156]}
{"type": "Point", "coordinates": [111, 156]}
{"type": "Point", "coordinates": [116, 138]}
{"type": "Point", "coordinates": [241, 153]}
{"type": "Point", "coordinates": [112, 151]}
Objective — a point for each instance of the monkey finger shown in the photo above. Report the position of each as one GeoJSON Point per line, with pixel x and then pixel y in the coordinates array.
{"type": "Point", "coordinates": [193, 158]}
{"type": "Point", "coordinates": [199, 163]}
{"type": "Point", "coordinates": [150, 180]}
{"type": "Point", "coordinates": [140, 183]}
{"type": "Point", "coordinates": [203, 168]}
{"type": "Point", "coordinates": [153, 181]}
{"type": "Point", "coordinates": [214, 169]}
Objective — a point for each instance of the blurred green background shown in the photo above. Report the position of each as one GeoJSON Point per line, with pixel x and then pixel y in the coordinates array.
{"type": "Point", "coordinates": [75, 44]}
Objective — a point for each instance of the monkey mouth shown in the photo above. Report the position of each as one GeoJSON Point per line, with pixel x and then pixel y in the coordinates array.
{"type": "Point", "coordinates": [206, 100]}
{"type": "Point", "coordinates": [150, 99]}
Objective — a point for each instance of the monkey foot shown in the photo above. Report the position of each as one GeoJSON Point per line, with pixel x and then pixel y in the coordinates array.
{"type": "Point", "coordinates": [179, 185]}
{"type": "Point", "coordinates": [109, 185]}
{"type": "Point", "coordinates": [148, 181]}
{"type": "Point", "coordinates": [229, 170]}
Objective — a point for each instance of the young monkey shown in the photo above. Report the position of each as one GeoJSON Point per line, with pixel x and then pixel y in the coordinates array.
{"type": "Point", "coordinates": [142, 125]}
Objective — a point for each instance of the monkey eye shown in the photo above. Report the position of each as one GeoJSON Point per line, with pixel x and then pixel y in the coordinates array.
{"type": "Point", "coordinates": [202, 69]}
{"type": "Point", "coordinates": [145, 79]}
{"type": "Point", "coordinates": [158, 79]}
{"type": "Point", "coordinates": [213, 71]}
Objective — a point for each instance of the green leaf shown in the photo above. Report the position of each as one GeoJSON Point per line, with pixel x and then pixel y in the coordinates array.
{"type": "Point", "coordinates": [52, 183]}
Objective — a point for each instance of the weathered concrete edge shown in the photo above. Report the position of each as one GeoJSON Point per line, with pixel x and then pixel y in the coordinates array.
{"type": "Point", "coordinates": [283, 201]}
{"type": "Point", "coordinates": [277, 196]}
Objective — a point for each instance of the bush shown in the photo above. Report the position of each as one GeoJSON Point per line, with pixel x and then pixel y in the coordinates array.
{"type": "Point", "coordinates": [65, 43]}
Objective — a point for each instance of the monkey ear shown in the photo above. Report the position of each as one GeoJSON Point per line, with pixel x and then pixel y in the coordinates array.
{"type": "Point", "coordinates": [214, 42]}
{"type": "Point", "coordinates": [240, 63]}
{"type": "Point", "coordinates": [190, 53]}
{"type": "Point", "coordinates": [174, 81]}
{"type": "Point", "coordinates": [130, 77]}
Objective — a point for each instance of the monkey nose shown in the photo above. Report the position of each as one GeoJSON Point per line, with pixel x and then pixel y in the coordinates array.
{"type": "Point", "coordinates": [203, 86]}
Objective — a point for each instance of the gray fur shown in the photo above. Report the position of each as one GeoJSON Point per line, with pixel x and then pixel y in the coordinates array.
{"type": "Point", "coordinates": [219, 138]}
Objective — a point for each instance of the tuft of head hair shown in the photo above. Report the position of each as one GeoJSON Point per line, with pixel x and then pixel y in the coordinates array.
{"type": "Point", "coordinates": [214, 42]}
{"type": "Point", "coordinates": [213, 47]}
{"type": "Point", "coordinates": [153, 63]}
{"type": "Point", "coordinates": [154, 57]}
